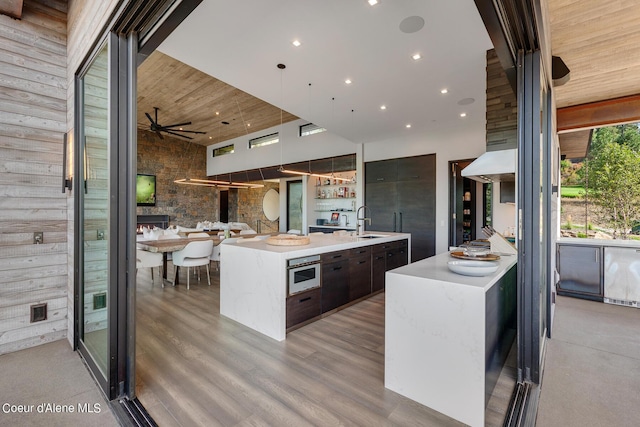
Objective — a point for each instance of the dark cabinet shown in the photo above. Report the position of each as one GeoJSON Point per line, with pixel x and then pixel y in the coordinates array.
{"type": "Point", "coordinates": [335, 280]}
{"type": "Point", "coordinates": [397, 255]}
{"type": "Point", "coordinates": [385, 257]}
{"type": "Point", "coordinates": [303, 306]}
{"type": "Point", "coordinates": [581, 271]}
{"type": "Point", "coordinates": [400, 194]}
{"type": "Point", "coordinates": [378, 268]}
{"type": "Point", "coordinates": [359, 273]}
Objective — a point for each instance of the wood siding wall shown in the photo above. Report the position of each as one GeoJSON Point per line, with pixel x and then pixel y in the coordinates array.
{"type": "Point", "coordinates": [33, 111]}
{"type": "Point", "coordinates": [502, 107]}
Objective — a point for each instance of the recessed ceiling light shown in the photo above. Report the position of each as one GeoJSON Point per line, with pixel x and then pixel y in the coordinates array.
{"type": "Point", "coordinates": [443, 91]}
{"type": "Point", "coordinates": [463, 114]}
{"type": "Point", "coordinates": [180, 128]}
{"type": "Point", "coordinates": [296, 43]}
{"type": "Point", "coordinates": [416, 56]}
{"type": "Point", "coordinates": [372, 2]}
{"type": "Point", "coordinates": [348, 81]}
{"type": "Point", "coordinates": [248, 124]}
{"type": "Point", "coordinates": [210, 137]}
{"type": "Point", "coordinates": [217, 113]}
{"type": "Point", "coordinates": [383, 107]}
{"type": "Point", "coordinates": [408, 125]}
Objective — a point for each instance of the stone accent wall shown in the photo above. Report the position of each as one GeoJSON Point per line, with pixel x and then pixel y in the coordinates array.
{"type": "Point", "coordinates": [502, 107]}
{"type": "Point", "coordinates": [174, 158]}
{"type": "Point", "coordinates": [249, 207]}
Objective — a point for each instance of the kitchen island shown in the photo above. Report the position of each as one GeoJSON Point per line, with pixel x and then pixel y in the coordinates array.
{"type": "Point", "coordinates": [447, 335]}
{"type": "Point", "coordinates": [254, 286]}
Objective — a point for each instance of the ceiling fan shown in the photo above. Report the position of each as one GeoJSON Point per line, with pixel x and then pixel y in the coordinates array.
{"type": "Point", "coordinates": [174, 129]}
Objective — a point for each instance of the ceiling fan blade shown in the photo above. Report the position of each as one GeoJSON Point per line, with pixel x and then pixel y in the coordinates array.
{"type": "Point", "coordinates": [190, 131]}
{"type": "Point", "coordinates": [177, 134]}
{"type": "Point", "coordinates": [159, 134]}
{"type": "Point", "coordinates": [150, 119]}
{"type": "Point", "coordinates": [176, 125]}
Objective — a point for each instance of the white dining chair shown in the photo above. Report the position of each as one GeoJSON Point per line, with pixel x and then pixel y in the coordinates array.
{"type": "Point", "coordinates": [169, 237]}
{"type": "Point", "coordinates": [195, 254]}
{"type": "Point", "coordinates": [146, 259]}
{"type": "Point", "coordinates": [247, 232]}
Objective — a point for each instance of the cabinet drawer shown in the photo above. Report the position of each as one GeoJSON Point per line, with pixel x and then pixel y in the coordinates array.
{"type": "Point", "coordinates": [334, 256]}
{"type": "Point", "coordinates": [303, 306]}
{"type": "Point", "coordinates": [359, 252]}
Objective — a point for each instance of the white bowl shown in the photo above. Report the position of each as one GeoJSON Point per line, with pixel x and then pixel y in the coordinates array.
{"type": "Point", "coordinates": [476, 251]}
{"type": "Point", "coordinates": [473, 268]}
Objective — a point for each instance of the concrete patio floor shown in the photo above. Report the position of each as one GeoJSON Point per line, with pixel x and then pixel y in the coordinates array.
{"type": "Point", "coordinates": [42, 377]}
{"type": "Point", "coordinates": [591, 377]}
{"type": "Point", "coordinates": [592, 366]}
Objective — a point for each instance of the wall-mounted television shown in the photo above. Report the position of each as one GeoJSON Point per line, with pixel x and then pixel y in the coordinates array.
{"type": "Point", "coordinates": [145, 190]}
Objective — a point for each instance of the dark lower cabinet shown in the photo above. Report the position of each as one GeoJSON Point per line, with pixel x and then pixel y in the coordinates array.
{"type": "Point", "coordinates": [335, 284]}
{"type": "Point", "coordinates": [378, 269]}
{"type": "Point", "coordinates": [303, 306]}
{"type": "Point", "coordinates": [347, 276]}
{"type": "Point", "coordinates": [397, 255]}
{"type": "Point", "coordinates": [359, 273]}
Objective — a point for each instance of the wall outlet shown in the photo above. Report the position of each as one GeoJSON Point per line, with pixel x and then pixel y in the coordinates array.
{"type": "Point", "coordinates": [100, 235]}
{"type": "Point", "coordinates": [38, 238]}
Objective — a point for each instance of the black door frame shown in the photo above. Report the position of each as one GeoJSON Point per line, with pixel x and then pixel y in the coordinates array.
{"type": "Point", "coordinates": [154, 20]}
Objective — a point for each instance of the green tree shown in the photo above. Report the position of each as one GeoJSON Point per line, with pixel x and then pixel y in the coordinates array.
{"type": "Point", "coordinates": [613, 171]}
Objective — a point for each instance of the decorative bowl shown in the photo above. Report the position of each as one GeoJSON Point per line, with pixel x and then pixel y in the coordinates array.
{"type": "Point", "coordinates": [473, 268]}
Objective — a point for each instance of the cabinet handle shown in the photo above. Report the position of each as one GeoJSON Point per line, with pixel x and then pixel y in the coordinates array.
{"type": "Point", "coordinates": [415, 176]}
{"type": "Point", "coordinates": [379, 258]}
{"type": "Point", "coordinates": [305, 299]}
{"type": "Point", "coordinates": [361, 262]}
{"type": "Point", "coordinates": [390, 254]}
{"type": "Point", "coordinates": [337, 268]}
{"type": "Point", "coordinates": [400, 222]}
{"type": "Point", "coordinates": [361, 252]}
{"type": "Point", "coordinates": [394, 222]}
{"type": "Point", "coordinates": [597, 255]}
{"type": "Point", "coordinates": [336, 256]}
{"type": "Point", "coordinates": [379, 179]}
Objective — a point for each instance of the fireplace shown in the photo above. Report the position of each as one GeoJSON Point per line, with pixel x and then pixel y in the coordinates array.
{"type": "Point", "coordinates": [150, 221]}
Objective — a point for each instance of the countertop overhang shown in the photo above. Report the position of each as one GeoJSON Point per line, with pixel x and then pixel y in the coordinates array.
{"type": "Point", "coordinates": [323, 243]}
{"type": "Point", "coordinates": [436, 269]}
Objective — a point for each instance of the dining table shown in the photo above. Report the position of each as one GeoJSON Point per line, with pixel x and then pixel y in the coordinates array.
{"type": "Point", "coordinates": [165, 246]}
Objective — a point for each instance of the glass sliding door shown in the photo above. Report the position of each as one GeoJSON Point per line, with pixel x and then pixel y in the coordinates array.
{"type": "Point", "coordinates": [94, 147]}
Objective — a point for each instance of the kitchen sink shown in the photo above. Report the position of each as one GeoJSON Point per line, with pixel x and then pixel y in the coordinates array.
{"type": "Point", "coordinates": [370, 236]}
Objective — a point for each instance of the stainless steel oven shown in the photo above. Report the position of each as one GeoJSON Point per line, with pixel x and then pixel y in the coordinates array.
{"type": "Point", "coordinates": [303, 274]}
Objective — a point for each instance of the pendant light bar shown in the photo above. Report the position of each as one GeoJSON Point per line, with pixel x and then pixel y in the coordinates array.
{"type": "Point", "coordinates": [216, 183]}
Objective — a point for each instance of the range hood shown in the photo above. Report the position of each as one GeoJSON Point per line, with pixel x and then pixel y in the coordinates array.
{"type": "Point", "coordinates": [493, 166]}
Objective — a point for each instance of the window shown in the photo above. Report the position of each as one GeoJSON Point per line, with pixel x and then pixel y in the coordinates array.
{"type": "Point", "coordinates": [310, 129]}
{"type": "Point", "coordinates": [221, 151]}
{"type": "Point", "coordinates": [264, 140]}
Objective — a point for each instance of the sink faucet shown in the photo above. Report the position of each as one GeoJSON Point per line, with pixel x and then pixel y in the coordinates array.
{"type": "Point", "coordinates": [359, 231]}
{"type": "Point", "coordinates": [346, 219]}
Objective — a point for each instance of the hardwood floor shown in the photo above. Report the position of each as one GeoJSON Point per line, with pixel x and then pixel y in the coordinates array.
{"type": "Point", "coordinates": [195, 367]}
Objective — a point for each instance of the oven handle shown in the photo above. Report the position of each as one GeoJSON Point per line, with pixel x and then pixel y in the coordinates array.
{"type": "Point", "coordinates": [306, 264]}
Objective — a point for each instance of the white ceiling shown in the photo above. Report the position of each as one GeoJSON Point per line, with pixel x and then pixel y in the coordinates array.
{"type": "Point", "coordinates": [241, 43]}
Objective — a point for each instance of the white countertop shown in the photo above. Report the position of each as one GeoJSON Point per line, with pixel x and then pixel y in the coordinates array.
{"type": "Point", "coordinates": [436, 269]}
{"type": "Point", "coordinates": [599, 242]}
{"type": "Point", "coordinates": [324, 243]}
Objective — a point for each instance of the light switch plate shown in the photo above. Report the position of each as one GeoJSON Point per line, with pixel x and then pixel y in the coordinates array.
{"type": "Point", "coordinates": [38, 237]}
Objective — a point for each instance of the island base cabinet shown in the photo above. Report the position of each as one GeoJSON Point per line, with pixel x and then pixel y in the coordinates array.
{"type": "Point", "coordinates": [335, 284]}
{"type": "Point", "coordinates": [378, 269]}
{"type": "Point", "coordinates": [359, 277]}
{"type": "Point", "coordinates": [303, 306]}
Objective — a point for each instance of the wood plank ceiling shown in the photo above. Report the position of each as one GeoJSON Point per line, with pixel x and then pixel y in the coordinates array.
{"type": "Point", "coordinates": [184, 94]}
{"type": "Point", "coordinates": [598, 40]}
